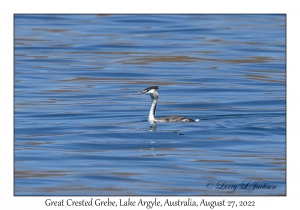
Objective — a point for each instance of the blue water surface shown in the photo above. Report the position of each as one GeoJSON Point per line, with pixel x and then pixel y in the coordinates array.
{"type": "Point", "coordinates": [80, 130]}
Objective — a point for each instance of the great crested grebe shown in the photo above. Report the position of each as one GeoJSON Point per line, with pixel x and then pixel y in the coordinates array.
{"type": "Point", "coordinates": [152, 91]}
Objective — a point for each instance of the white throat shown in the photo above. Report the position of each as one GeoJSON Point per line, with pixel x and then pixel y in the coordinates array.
{"type": "Point", "coordinates": [154, 96]}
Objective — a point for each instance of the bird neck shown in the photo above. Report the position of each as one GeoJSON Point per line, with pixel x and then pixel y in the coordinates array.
{"type": "Point", "coordinates": [151, 117]}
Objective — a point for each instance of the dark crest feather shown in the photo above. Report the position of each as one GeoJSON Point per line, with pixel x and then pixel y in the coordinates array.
{"type": "Point", "coordinates": [152, 87]}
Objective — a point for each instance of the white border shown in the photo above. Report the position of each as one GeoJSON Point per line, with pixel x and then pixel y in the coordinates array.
{"type": "Point", "coordinates": [8, 8]}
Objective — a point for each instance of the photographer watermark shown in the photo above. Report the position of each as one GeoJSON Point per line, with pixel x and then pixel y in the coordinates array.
{"type": "Point", "coordinates": [244, 185]}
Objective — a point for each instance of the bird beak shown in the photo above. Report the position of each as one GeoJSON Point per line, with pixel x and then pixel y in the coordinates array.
{"type": "Point", "coordinates": [138, 93]}
{"type": "Point", "coordinates": [142, 92]}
